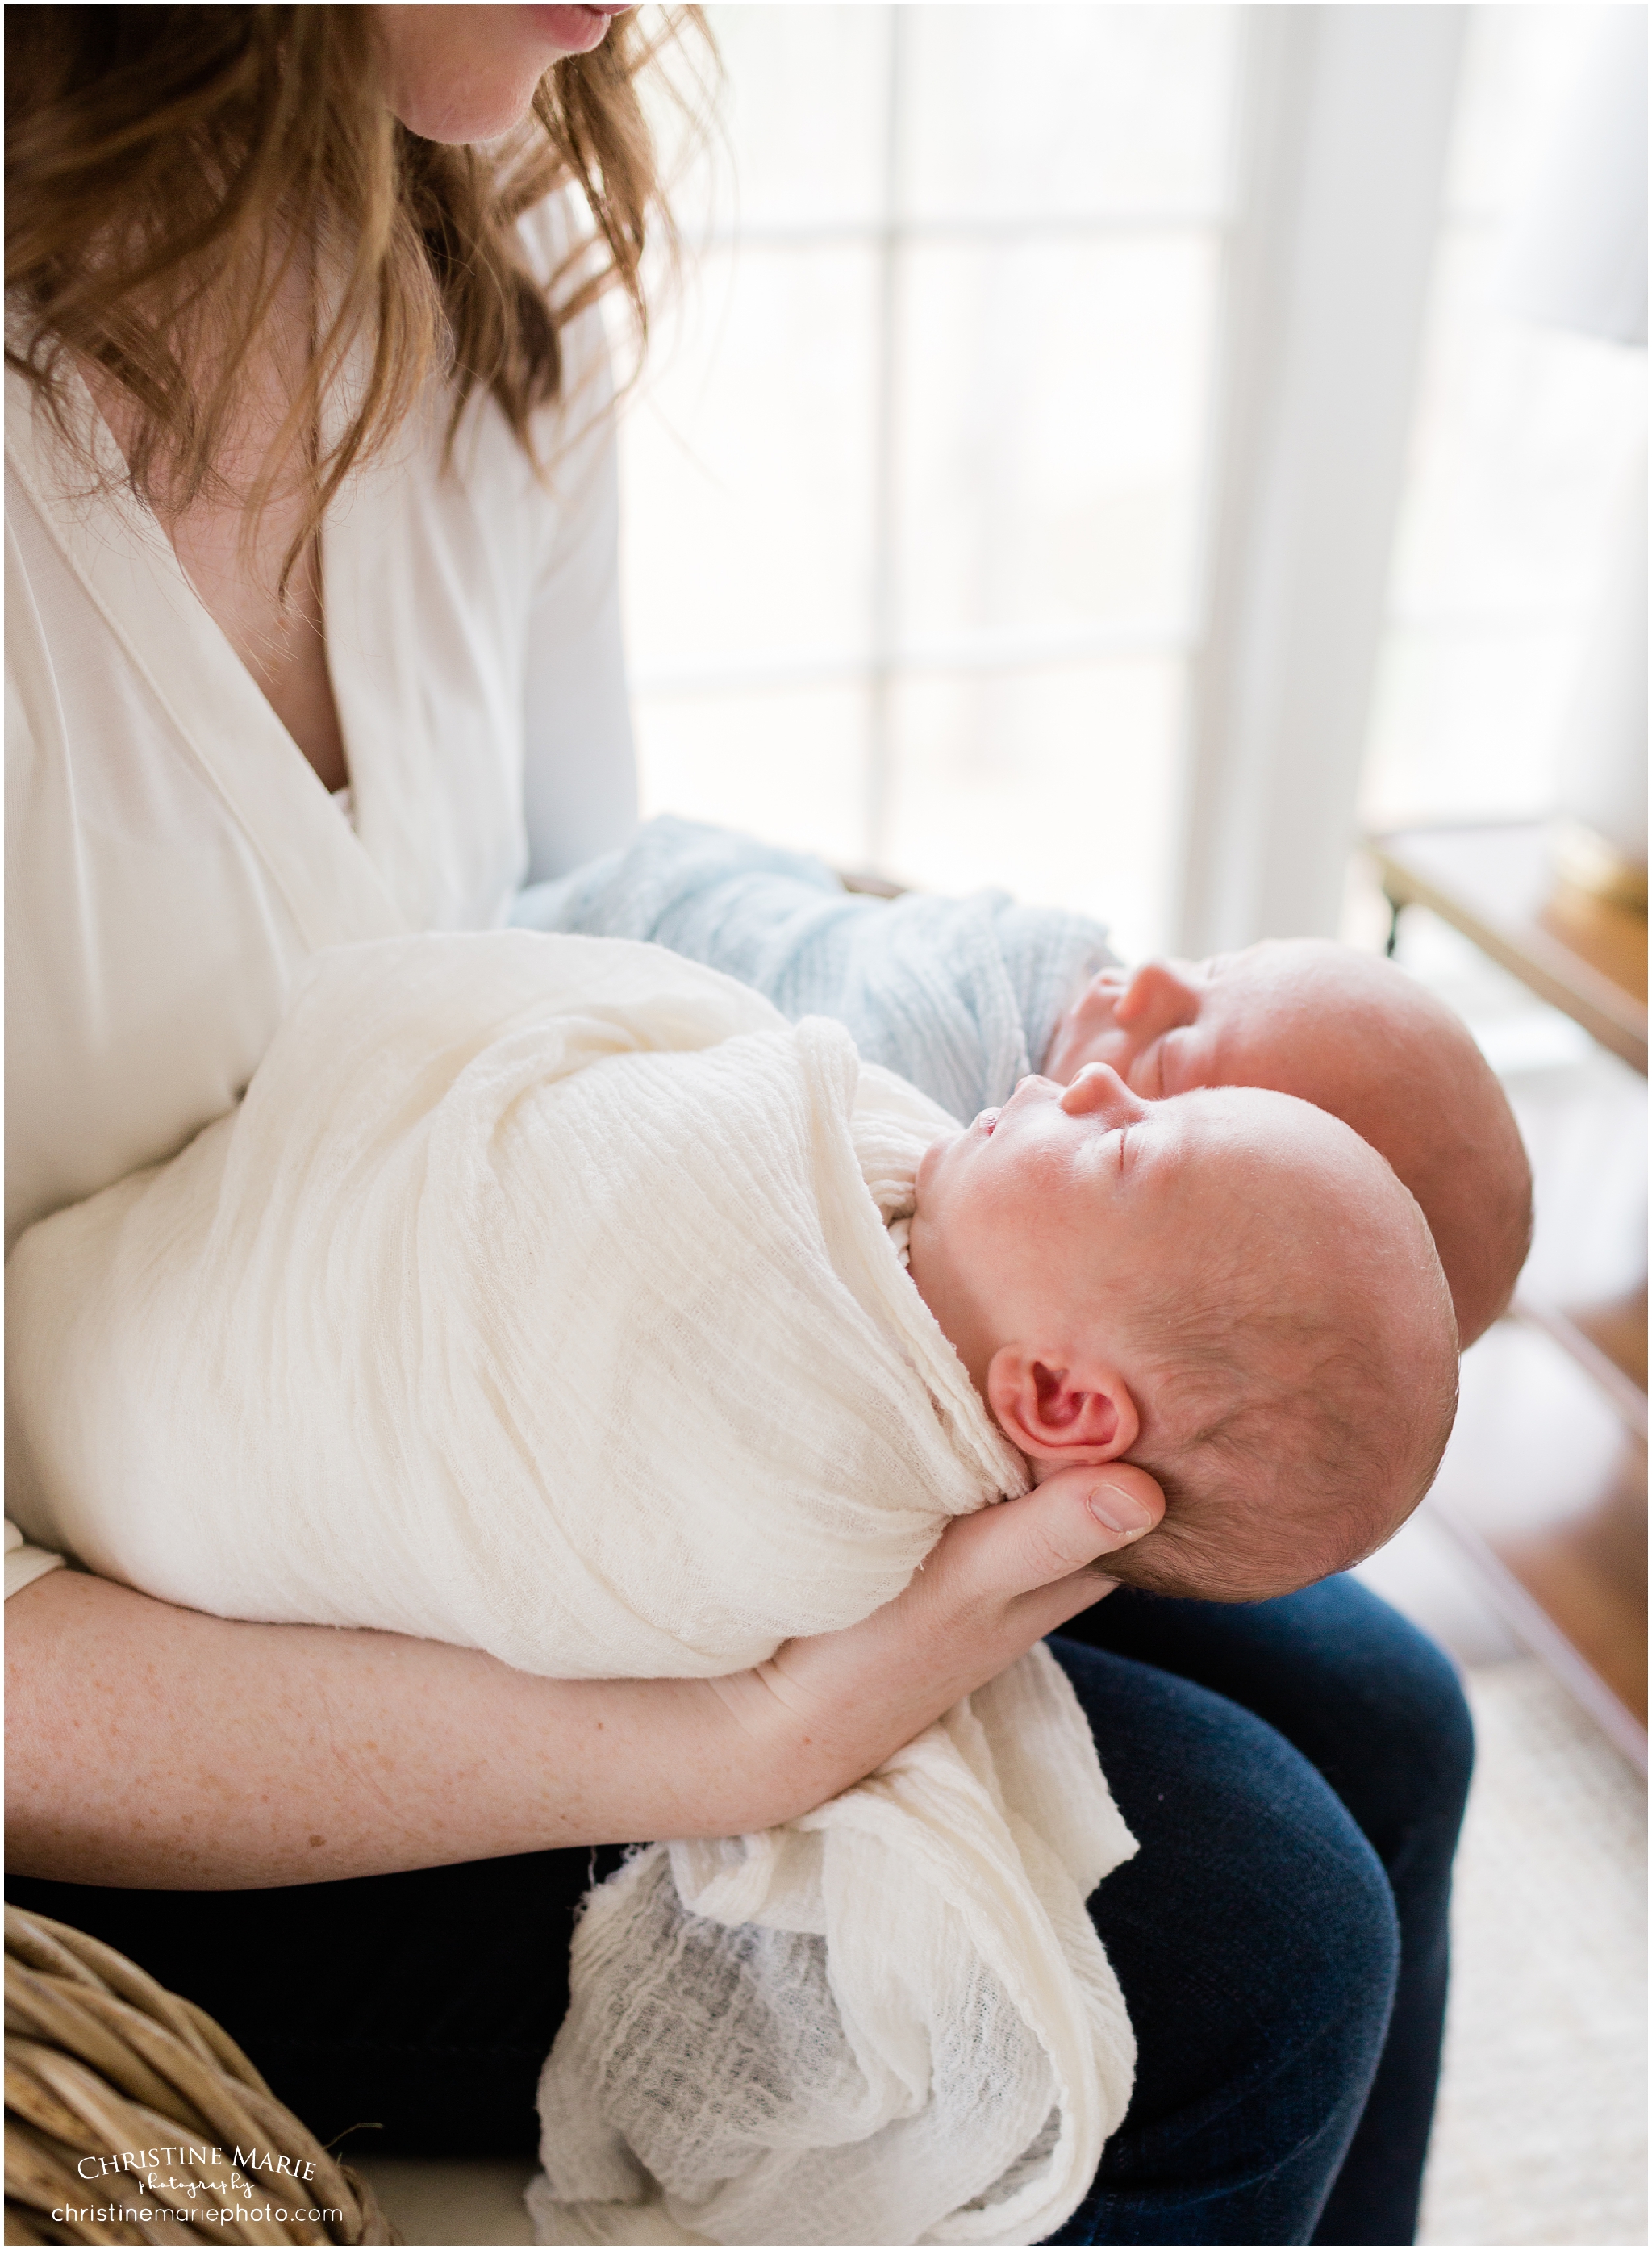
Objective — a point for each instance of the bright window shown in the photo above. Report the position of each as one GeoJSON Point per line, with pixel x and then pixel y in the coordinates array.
{"type": "Point", "coordinates": [1521, 440]}
{"type": "Point", "coordinates": [915, 487]}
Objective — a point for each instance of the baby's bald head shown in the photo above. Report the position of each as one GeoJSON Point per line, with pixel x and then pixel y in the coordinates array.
{"type": "Point", "coordinates": [1354, 1035]}
{"type": "Point", "coordinates": [1299, 1397]}
{"type": "Point", "coordinates": [1229, 1288]}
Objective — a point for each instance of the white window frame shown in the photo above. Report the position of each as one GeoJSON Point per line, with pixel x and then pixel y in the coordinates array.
{"type": "Point", "coordinates": [1343, 118]}
{"type": "Point", "coordinates": [887, 655]}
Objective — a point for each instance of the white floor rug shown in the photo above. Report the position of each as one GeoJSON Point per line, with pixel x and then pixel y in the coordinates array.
{"type": "Point", "coordinates": [1541, 2131]}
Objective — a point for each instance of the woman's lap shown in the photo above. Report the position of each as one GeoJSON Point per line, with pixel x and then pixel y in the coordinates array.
{"type": "Point", "coordinates": [1376, 1708]}
{"type": "Point", "coordinates": [423, 2004]}
{"type": "Point", "coordinates": [1253, 1935]}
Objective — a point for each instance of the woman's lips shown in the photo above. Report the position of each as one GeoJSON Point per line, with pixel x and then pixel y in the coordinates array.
{"type": "Point", "coordinates": [576, 29]}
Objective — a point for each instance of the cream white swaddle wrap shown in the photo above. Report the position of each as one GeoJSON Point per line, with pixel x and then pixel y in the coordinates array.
{"type": "Point", "coordinates": [539, 1297]}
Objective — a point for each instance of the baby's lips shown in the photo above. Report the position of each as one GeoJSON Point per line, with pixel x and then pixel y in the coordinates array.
{"type": "Point", "coordinates": [1099, 1002]}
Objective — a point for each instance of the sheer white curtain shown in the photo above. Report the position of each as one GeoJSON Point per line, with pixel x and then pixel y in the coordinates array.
{"type": "Point", "coordinates": [1520, 441]}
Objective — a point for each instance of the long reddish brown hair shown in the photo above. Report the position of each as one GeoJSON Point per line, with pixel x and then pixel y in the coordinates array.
{"type": "Point", "coordinates": [165, 167]}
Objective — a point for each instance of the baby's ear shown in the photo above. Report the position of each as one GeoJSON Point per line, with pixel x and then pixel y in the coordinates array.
{"type": "Point", "coordinates": [1083, 1413]}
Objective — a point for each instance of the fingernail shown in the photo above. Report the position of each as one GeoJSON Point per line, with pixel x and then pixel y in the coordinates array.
{"type": "Point", "coordinates": [1120, 1513]}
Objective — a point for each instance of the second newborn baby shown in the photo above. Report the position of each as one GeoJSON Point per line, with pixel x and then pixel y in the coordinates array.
{"type": "Point", "coordinates": [419, 1329]}
{"type": "Point", "coordinates": [1228, 1287]}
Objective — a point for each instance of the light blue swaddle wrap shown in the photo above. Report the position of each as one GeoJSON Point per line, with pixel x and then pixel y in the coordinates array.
{"type": "Point", "coordinates": [960, 995]}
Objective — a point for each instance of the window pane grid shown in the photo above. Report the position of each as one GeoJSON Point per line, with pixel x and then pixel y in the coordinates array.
{"type": "Point", "coordinates": [986, 521]}
{"type": "Point", "coordinates": [979, 653]}
{"type": "Point", "coordinates": [1061, 226]}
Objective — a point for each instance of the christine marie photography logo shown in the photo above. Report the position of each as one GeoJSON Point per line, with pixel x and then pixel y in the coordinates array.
{"type": "Point", "coordinates": [188, 2184]}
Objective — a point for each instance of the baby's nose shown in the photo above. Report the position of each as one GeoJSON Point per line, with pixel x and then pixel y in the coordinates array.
{"type": "Point", "coordinates": [1098, 1091]}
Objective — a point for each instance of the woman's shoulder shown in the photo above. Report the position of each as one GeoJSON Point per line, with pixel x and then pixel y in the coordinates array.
{"type": "Point", "coordinates": [562, 248]}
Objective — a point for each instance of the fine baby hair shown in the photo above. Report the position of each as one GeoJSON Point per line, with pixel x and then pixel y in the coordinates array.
{"type": "Point", "coordinates": [1299, 1404]}
{"type": "Point", "coordinates": [1227, 1288]}
{"type": "Point", "coordinates": [1354, 1035]}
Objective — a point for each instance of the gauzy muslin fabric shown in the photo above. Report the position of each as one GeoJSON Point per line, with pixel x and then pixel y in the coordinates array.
{"type": "Point", "coordinates": [539, 1297]}
{"type": "Point", "coordinates": [961, 996]}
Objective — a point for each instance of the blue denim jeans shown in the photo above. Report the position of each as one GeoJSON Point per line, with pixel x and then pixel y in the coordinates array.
{"type": "Point", "coordinates": [1294, 1774]}
{"type": "Point", "coordinates": [1281, 1936]}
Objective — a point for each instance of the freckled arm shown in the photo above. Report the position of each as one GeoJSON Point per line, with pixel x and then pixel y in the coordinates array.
{"type": "Point", "coordinates": [159, 1747]}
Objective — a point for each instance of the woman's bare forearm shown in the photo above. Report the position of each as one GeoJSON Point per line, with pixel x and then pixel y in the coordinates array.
{"type": "Point", "coordinates": [160, 1748]}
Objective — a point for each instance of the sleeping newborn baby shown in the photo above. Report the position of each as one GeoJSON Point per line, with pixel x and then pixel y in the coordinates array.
{"type": "Point", "coordinates": [1228, 1287]}
{"type": "Point", "coordinates": [1354, 1035]}
{"type": "Point", "coordinates": [966, 996]}
{"type": "Point", "coordinates": [544, 1295]}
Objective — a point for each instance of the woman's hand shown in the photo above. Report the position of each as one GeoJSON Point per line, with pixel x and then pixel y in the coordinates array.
{"type": "Point", "coordinates": [822, 1713]}
{"type": "Point", "coordinates": [154, 1746]}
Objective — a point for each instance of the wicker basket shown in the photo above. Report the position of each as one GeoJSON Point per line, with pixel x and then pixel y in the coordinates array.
{"type": "Point", "coordinates": [102, 2065]}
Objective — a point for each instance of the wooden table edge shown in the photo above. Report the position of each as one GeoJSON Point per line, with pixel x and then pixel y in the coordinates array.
{"type": "Point", "coordinates": [1537, 1632]}
{"type": "Point", "coordinates": [1546, 967]}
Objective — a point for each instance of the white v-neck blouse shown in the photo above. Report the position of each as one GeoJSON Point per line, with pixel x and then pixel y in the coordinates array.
{"type": "Point", "coordinates": [171, 857]}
